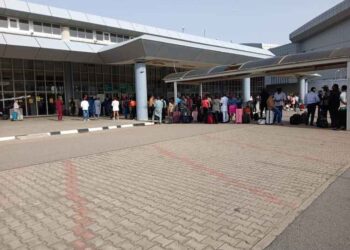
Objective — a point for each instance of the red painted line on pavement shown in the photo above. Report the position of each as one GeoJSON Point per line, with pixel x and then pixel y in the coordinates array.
{"type": "Point", "coordinates": [271, 198]}
{"type": "Point", "coordinates": [249, 145]}
{"type": "Point", "coordinates": [81, 218]}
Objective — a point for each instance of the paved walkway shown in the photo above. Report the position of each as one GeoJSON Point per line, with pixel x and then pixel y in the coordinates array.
{"type": "Point", "coordinates": [324, 225]}
{"type": "Point", "coordinates": [50, 124]}
{"type": "Point", "coordinates": [232, 189]}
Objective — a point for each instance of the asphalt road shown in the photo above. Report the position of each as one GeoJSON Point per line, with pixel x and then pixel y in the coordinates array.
{"type": "Point", "coordinates": [16, 154]}
{"type": "Point", "coordinates": [324, 225]}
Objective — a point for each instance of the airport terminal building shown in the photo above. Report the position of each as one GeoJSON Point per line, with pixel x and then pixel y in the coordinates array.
{"type": "Point", "coordinates": [47, 51]}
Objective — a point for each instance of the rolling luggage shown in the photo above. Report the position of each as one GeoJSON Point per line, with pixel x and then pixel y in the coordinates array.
{"type": "Point", "coordinates": [195, 116]}
{"type": "Point", "coordinates": [295, 119]}
{"type": "Point", "coordinates": [168, 120]}
{"type": "Point", "coordinates": [186, 119]}
{"type": "Point", "coordinates": [239, 116]}
{"type": "Point", "coordinates": [176, 117]}
{"type": "Point", "coordinates": [269, 117]}
{"type": "Point", "coordinates": [14, 116]}
{"type": "Point", "coordinates": [246, 118]}
{"type": "Point", "coordinates": [210, 119]}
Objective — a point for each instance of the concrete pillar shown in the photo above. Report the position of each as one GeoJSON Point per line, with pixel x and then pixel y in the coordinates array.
{"type": "Point", "coordinates": [141, 91]}
{"type": "Point", "coordinates": [201, 90]}
{"type": "Point", "coordinates": [175, 91]}
{"type": "Point", "coordinates": [348, 97]}
{"type": "Point", "coordinates": [302, 89]}
{"type": "Point", "coordinates": [246, 89]}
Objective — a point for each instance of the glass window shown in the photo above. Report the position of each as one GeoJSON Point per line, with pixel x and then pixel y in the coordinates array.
{"type": "Point", "coordinates": [56, 29]}
{"type": "Point", "coordinates": [58, 67]}
{"type": "Point", "coordinates": [89, 34]}
{"type": "Point", "coordinates": [120, 38]}
{"type": "Point", "coordinates": [99, 36]}
{"type": "Point", "coordinates": [106, 36]}
{"type": "Point", "coordinates": [81, 33]}
{"type": "Point", "coordinates": [126, 38]}
{"type": "Point", "coordinates": [73, 32]}
{"type": "Point", "coordinates": [23, 25]}
{"type": "Point", "coordinates": [3, 22]}
{"type": "Point", "coordinates": [38, 27]}
{"type": "Point", "coordinates": [29, 75]}
{"type": "Point", "coordinates": [13, 23]}
{"type": "Point", "coordinates": [47, 28]}
{"type": "Point", "coordinates": [113, 38]}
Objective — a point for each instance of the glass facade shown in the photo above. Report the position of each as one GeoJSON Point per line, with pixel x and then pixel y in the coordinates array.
{"type": "Point", "coordinates": [116, 80]}
{"type": "Point", "coordinates": [41, 82]}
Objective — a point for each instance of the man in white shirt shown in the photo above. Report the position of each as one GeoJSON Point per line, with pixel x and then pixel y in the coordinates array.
{"type": "Point", "coordinates": [343, 107]}
{"type": "Point", "coordinates": [224, 108]}
{"type": "Point", "coordinates": [85, 107]}
{"type": "Point", "coordinates": [279, 98]}
{"type": "Point", "coordinates": [311, 101]}
{"type": "Point", "coordinates": [115, 107]}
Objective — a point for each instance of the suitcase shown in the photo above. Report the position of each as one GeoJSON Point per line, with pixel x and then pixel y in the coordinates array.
{"type": "Point", "coordinates": [270, 115]}
{"type": "Point", "coordinates": [195, 116]}
{"type": "Point", "coordinates": [239, 116]}
{"type": "Point", "coordinates": [176, 117]}
{"type": "Point", "coordinates": [295, 119]}
{"type": "Point", "coordinates": [246, 118]}
{"type": "Point", "coordinates": [14, 116]}
{"type": "Point", "coordinates": [186, 119]}
{"type": "Point", "coordinates": [210, 119]}
{"type": "Point", "coordinates": [168, 120]}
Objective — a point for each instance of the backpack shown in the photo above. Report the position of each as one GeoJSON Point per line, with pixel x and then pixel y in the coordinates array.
{"type": "Point", "coordinates": [295, 119]}
{"type": "Point", "coordinates": [256, 117]}
{"type": "Point", "coordinates": [304, 118]}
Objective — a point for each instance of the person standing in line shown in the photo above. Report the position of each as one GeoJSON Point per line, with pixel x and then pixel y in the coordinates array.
{"type": "Point", "coordinates": [205, 108]}
{"type": "Point", "coordinates": [158, 109]}
{"type": "Point", "coordinates": [279, 98]}
{"type": "Point", "coordinates": [343, 107]}
{"type": "Point", "coordinates": [115, 108]}
{"type": "Point", "coordinates": [164, 111]}
{"type": "Point", "coordinates": [232, 107]}
{"type": "Point", "coordinates": [132, 108]}
{"type": "Point", "coordinates": [97, 104]}
{"type": "Point", "coordinates": [150, 106]}
{"type": "Point", "coordinates": [216, 108]}
{"type": "Point", "coordinates": [59, 108]}
{"type": "Point", "coordinates": [85, 107]}
{"type": "Point", "coordinates": [263, 100]}
{"type": "Point", "coordinates": [334, 104]}
{"type": "Point", "coordinates": [311, 102]}
{"type": "Point", "coordinates": [324, 102]}
{"type": "Point", "coordinates": [171, 107]}
{"type": "Point", "coordinates": [224, 109]}
{"type": "Point", "coordinates": [72, 107]}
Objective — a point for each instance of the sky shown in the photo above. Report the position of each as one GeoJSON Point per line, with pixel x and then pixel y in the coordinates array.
{"type": "Point", "coordinates": [239, 21]}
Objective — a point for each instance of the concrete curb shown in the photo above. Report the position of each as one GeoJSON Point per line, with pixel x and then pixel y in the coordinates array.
{"type": "Point", "coordinates": [73, 131]}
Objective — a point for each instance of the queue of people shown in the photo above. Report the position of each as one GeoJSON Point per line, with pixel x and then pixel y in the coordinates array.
{"type": "Point", "coordinates": [222, 109]}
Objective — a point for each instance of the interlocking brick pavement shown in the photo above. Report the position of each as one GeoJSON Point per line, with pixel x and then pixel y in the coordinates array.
{"type": "Point", "coordinates": [234, 189]}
